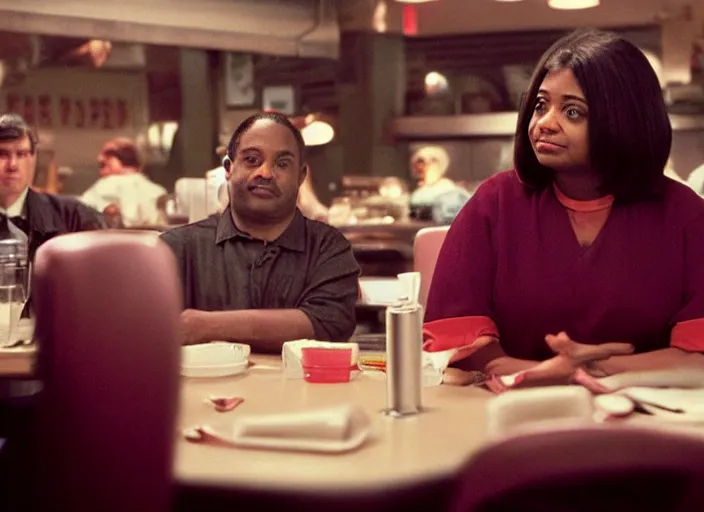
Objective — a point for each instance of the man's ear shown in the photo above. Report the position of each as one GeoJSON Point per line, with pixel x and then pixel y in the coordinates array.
{"type": "Point", "coordinates": [227, 164]}
{"type": "Point", "coordinates": [302, 175]}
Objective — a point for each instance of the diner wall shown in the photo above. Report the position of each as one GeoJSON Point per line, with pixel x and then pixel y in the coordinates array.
{"type": "Point", "coordinates": [473, 160]}
{"type": "Point", "coordinates": [75, 120]}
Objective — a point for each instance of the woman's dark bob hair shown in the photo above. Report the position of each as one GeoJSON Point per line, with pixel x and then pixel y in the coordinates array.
{"type": "Point", "coordinates": [629, 129]}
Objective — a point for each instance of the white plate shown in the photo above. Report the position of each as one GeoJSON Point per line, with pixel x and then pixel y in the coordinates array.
{"type": "Point", "coordinates": [218, 359]}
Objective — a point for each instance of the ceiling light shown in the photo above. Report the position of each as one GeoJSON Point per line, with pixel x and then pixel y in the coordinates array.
{"type": "Point", "coordinates": [573, 4]}
{"type": "Point", "coordinates": [415, 1]}
{"type": "Point", "coordinates": [436, 83]}
{"type": "Point", "coordinates": [316, 132]}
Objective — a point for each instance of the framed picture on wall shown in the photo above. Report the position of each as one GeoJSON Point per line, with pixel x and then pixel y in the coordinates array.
{"type": "Point", "coordinates": [281, 98]}
{"type": "Point", "coordinates": [239, 80]}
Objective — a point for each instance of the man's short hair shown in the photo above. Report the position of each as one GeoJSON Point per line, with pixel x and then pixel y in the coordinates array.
{"type": "Point", "coordinates": [125, 150]}
{"type": "Point", "coordinates": [14, 127]}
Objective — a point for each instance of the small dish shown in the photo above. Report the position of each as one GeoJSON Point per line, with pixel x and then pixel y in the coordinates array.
{"type": "Point", "coordinates": [326, 365]}
{"type": "Point", "coordinates": [326, 374]}
{"type": "Point", "coordinates": [217, 359]}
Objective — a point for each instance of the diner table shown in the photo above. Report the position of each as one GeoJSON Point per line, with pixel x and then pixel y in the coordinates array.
{"type": "Point", "coordinates": [406, 461]}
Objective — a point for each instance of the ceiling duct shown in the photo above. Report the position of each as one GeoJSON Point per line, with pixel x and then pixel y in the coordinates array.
{"type": "Point", "coordinates": [277, 27]}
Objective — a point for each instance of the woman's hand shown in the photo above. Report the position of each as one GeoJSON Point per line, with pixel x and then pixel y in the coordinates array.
{"type": "Point", "coordinates": [569, 357]}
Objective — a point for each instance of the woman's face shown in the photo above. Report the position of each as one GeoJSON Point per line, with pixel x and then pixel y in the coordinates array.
{"type": "Point", "coordinates": [558, 130]}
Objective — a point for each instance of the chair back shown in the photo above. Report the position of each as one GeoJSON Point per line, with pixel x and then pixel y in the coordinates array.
{"type": "Point", "coordinates": [426, 248]}
{"type": "Point", "coordinates": [107, 306]}
{"type": "Point", "coordinates": [586, 468]}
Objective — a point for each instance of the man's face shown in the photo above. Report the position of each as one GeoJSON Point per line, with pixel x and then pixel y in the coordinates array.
{"type": "Point", "coordinates": [17, 164]}
{"type": "Point", "coordinates": [418, 166]}
{"type": "Point", "coordinates": [109, 164]}
{"type": "Point", "coordinates": [266, 173]}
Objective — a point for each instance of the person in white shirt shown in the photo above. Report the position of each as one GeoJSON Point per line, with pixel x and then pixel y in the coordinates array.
{"type": "Point", "coordinates": [122, 187]}
{"type": "Point", "coordinates": [308, 202]}
{"type": "Point", "coordinates": [429, 165]}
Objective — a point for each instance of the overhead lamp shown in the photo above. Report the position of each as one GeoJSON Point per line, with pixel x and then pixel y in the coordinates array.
{"type": "Point", "coordinates": [569, 5]}
{"type": "Point", "coordinates": [435, 83]}
{"type": "Point", "coordinates": [314, 128]}
{"type": "Point", "coordinates": [415, 1]}
{"type": "Point", "coordinates": [317, 133]}
{"type": "Point", "coordinates": [94, 51]}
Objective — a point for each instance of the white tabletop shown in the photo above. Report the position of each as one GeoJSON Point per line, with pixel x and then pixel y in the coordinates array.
{"type": "Point", "coordinates": [432, 445]}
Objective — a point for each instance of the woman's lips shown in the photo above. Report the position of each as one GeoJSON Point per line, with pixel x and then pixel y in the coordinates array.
{"type": "Point", "coordinates": [544, 146]}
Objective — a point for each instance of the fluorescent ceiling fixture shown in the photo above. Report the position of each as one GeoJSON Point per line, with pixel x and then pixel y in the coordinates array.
{"type": "Point", "coordinates": [573, 4]}
{"type": "Point", "coordinates": [415, 1]}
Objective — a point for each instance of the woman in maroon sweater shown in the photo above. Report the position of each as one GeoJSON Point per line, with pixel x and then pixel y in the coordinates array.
{"type": "Point", "coordinates": [586, 239]}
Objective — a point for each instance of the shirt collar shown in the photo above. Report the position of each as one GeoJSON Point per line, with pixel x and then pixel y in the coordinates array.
{"type": "Point", "coordinates": [293, 237]}
{"type": "Point", "coordinates": [594, 205]}
{"type": "Point", "coordinates": [16, 209]}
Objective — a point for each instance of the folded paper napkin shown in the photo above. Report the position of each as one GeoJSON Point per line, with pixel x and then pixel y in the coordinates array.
{"type": "Point", "coordinates": [331, 430]}
{"type": "Point", "coordinates": [676, 396]}
{"type": "Point", "coordinates": [291, 354]}
{"type": "Point", "coordinates": [538, 407]}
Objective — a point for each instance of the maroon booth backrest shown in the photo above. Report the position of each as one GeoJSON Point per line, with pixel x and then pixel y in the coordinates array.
{"type": "Point", "coordinates": [426, 249]}
{"type": "Point", "coordinates": [107, 306]}
{"type": "Point", "coordinates": [602, 468]}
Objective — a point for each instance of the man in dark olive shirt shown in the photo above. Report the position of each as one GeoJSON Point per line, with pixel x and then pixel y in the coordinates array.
{"type": "Point", "coordinates": [261, 273]}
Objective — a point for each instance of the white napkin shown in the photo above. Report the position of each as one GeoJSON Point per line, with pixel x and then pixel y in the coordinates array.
{"type": "Point", "coordinates": [527, 408]}
{"type": "Point", "coordinates": [329, 430]}
{"type": "Point", "coordinates": [333, 430]}
{"type": "Point", "coordinates": [664, 402]}
{"type": "Point", "coordinates": [291, 354]}
{"type": "Point", "coordinates": [434, 365]}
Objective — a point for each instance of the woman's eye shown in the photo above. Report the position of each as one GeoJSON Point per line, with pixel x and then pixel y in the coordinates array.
{"type": "Point", "coordinates": [573, 113]}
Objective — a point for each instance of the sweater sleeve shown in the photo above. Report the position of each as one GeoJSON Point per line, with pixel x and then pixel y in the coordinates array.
{"type": "Point", "coordinates": [462, 284]}
{"type": "Point", "coordinates": [688, 331]}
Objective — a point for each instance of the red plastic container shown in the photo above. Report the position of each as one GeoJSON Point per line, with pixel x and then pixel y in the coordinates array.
{"type": "Point", "coordinates": [326, 365]}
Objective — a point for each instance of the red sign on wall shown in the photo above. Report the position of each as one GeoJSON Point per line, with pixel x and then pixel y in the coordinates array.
{"type": "Point", "coordinates": [95, 113]}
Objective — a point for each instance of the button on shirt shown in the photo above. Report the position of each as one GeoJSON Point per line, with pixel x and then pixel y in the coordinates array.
{"type": "Point", "coordinates": [309, 267]}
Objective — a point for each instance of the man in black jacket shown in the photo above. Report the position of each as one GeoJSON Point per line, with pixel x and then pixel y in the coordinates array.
{"type": "Point", "coordinates": [40, 216]}
{"type": "Point", "coordinates": [35, 217]}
